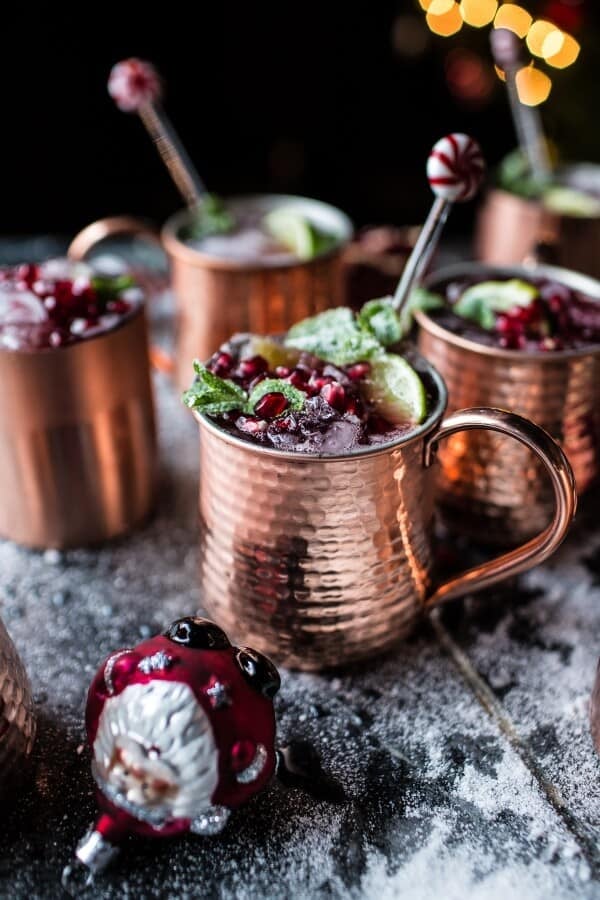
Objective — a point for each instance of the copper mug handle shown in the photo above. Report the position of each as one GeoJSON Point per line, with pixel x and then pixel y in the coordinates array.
{"type": "Point", "coordinates": [544, 544]}
{"type": "Point", "coordinates": [111, 226]}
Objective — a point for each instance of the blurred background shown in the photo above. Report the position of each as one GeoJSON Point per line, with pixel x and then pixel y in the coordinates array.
{"type": "Point", "coordinates": [341, 101]}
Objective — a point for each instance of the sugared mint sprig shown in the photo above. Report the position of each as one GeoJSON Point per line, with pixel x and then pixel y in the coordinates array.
{"type": "Point", "coordinates": [214, 396]}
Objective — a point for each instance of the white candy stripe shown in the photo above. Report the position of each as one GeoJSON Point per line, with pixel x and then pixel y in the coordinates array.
{"type": "Point", "coordinates": [455, 167]}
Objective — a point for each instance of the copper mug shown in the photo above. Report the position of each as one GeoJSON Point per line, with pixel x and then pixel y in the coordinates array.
{"type": "Point", "coordinates": [511, 229]}
{"type": "Point", "coordinates": [216, 297]}
{"type": "Point", "coordinates": [78, 452]}
{"type": "Point", "coordinates": [17, 718]}
{"type": "Point", "coordinates": [489, 488]}
{"type": "Point", "coordinates": [321, 561]}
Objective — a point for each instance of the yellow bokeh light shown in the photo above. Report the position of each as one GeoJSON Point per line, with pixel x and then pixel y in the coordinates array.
{"type": "Point", "coordinates": [513, 17]}
{"type": "Point", "coordinates": [538, 33]}
{"type": "Point", "coordinates": [446, 24]}
{"type": "Point", "coordinates": [440, 7]}
{"type": "Point", "coordinates": [560, 53]}
{"type": "Point", "coordinates": [500, 73]}
{"type": "Point", "coordinates": [425, 4]}
{"type": "Point", "coordinates": [533, 86]}
{"type": "Point", "coordinates": [478, 12]}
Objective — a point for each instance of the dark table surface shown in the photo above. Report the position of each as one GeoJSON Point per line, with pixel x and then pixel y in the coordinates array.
{"type": "Point", "coordinates": [465, 754]}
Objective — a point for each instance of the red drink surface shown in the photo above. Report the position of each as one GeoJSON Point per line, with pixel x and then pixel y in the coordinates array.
{"type": "Point", "coordinates": [59, 303]}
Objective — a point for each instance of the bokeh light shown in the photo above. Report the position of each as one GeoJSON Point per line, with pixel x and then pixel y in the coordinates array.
{"type": "Point", "coordinates": [469, 77]}
{"type": "Point", "coordinates": [533, 86]}
{"type": "Point", "coordinates": [537, 34]}
{"type": "Point", "coordinates": [440, 7]}
{"type": "Point", "coordinates": [478, 12]}
{"type": "Point", "coordinates": [560, 50]}
{"type": "Point", "coordinates": [513, 17]}
{"type": "Point", "coordinates": [447, 23]}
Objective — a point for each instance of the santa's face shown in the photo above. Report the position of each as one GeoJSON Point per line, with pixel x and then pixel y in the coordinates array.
{"type": "Point", "coordinates": [155, 751]}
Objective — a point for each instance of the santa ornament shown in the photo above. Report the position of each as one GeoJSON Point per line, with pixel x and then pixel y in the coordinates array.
{"type": "Point", "coordinates": [182, 731]}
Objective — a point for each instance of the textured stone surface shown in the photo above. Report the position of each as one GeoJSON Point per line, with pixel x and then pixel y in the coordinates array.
{"type": "Point", "coordinates": [466, 756]}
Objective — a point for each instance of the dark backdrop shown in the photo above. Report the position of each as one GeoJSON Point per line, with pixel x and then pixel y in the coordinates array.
{"type": "Point", "coordinates": [336, 100]}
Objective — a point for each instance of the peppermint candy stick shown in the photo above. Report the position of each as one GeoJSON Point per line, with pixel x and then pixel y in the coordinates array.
{"type": "Point", "coordinates": [135, 86]}
{"type": "Point", "coordinates": [526, 119]}
{"type": "Point", "coordinates": [455, 170]}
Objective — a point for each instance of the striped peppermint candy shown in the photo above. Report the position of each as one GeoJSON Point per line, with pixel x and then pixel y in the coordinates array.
{"type": "Point", "coordinates": [132, 83]}
{"type": "Point", "coordinates": [455, 167]}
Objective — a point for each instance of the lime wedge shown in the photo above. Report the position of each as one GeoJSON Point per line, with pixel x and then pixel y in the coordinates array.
{"type": "Point", "coordinates": [275, 353]}
{"type": "Point", "coordinates": [294, 231]}
{"type": "Point", "coordinates": [396, 390]}
{"type": "Point", "coordinates": [482, 301]}
{"type": "Point", "coordinates": [571, 202]}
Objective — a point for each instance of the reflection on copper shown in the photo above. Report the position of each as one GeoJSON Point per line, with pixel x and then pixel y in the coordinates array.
{"type": "Point", "coordinates": [491, 488]}
{"type": "Point", "coordinates": [77, 439]}
{"type": "Point", "coordinates": [319, 561]}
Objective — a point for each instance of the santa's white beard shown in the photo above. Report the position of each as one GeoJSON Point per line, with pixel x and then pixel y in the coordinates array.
{"type": "Point", "coordinates": [155, 747]}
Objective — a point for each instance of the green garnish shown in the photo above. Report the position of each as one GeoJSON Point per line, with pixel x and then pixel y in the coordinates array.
{"type": "Point", "coordinates": [301, 236]}
{"type": "Point", "coordinates": [514, 176]}
{"type": "Point", "coordinates": [482, 302]}
{"type": "Point", "coordinates": [211, 217]}
{"type": "Point", "coordinates": [294, 397]}
{"type": "Point", "coordinates": [396, 390]}
{"type": "Point", "coordinates": [213, 395]}
{"type": "Point", "coordinates": [380, 318]}
{"type": "Point", "coordinates": [109, 286]}
{"type": "Point", "coordinates": [335, 336]}
{"type": "Point", "coordinates": [568, 201]}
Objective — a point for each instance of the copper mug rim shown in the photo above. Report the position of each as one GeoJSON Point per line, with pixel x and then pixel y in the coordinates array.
{"type": "Point", "coordinates": [433, 419]}
{"type": "Point", "coordinates": [575, 280]}
{"type": "Point", "coordinates": [330, 215]}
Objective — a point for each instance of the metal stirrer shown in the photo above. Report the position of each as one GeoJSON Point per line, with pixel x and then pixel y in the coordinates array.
{"type": "Point", "coordinates": [528, 124]}
{"type": "Point", "coordinates": [455, 170]}
{"type": "Point", "coordinates": [135, 86]}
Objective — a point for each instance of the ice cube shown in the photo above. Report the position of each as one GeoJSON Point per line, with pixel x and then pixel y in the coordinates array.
{"type": "Point", "coordinates": [341, 436]}
{"type": "Point", "coordinates": [20, 307]}
{"type": "Point", "coordinates": [63, 269]}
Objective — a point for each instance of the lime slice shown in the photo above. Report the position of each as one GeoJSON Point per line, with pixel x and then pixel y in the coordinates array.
{"type": "Point", "coordinates": [294, 231]}
{"type": "Point", "coordinates": [396, 390]}
{"type": "Point", "coordinates": [482, 301]}
{"type": "Point", "coordinates": [275, 353]}
{"type": "Point", "coordinates": [570, 202]}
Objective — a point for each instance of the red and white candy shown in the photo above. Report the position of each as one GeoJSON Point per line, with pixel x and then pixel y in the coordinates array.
{"type": "Point", "coordinates": [455, 168]}
{"type": "Point", "coordinates": [133, 83]}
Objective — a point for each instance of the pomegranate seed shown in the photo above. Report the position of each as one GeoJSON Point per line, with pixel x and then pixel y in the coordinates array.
{"type": "Point", "coordinates": [120, 307]}
{"type": "Point", "coordinates": [27, 273]}
{"type": "Point", "coordinates": [358, 371]}
{"type": "Point", "coordinates": [317, 382]}
{"type": "Point", "coordinates": [250, 368]}
{"type": "Point", "coordinates": [221, 364]}
{"type": "Point", "coordinates": [335, 395]}
{"type": "Point", "coordinates": [282, 371]}
{"type": "Point", "coordinates": [297, 378]}
{"type": "Point", "coordinates": [256, 381]}
{"type": "Point", "coordinates": [271, 405]}
{"type": "Point", "coordinates": [353, 407]}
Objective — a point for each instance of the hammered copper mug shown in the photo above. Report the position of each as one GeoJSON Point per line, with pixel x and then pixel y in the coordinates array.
{"type": "Point", "coordinates": [489, 488]}
{"type": "Point", "coordinates": [78, 454]}
{"type": "Point", "coordinates": [17, 717]}
{"type": "Point", "coordinates": [320, 561]}
{"type": "Point", "coordinates": [216, 296]}
{"type": "Point", "coordinates": [511, 229]}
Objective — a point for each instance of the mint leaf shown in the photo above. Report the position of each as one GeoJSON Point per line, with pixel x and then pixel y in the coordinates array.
{"type": "Point", "coordinates": [211, 217]}
{"type": "Point", "coordinates": [481, 302]}
{"type": "Point", "coordinates": [294, 397]}
{"type": "Point", "coordinates": [380, 318]}
{"type": "Point", "coordinates": [109, 286]}
{"type": "Point", "coordinates": [213, 395]}
{"type": "Point", "coordinates": [335, 336]}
